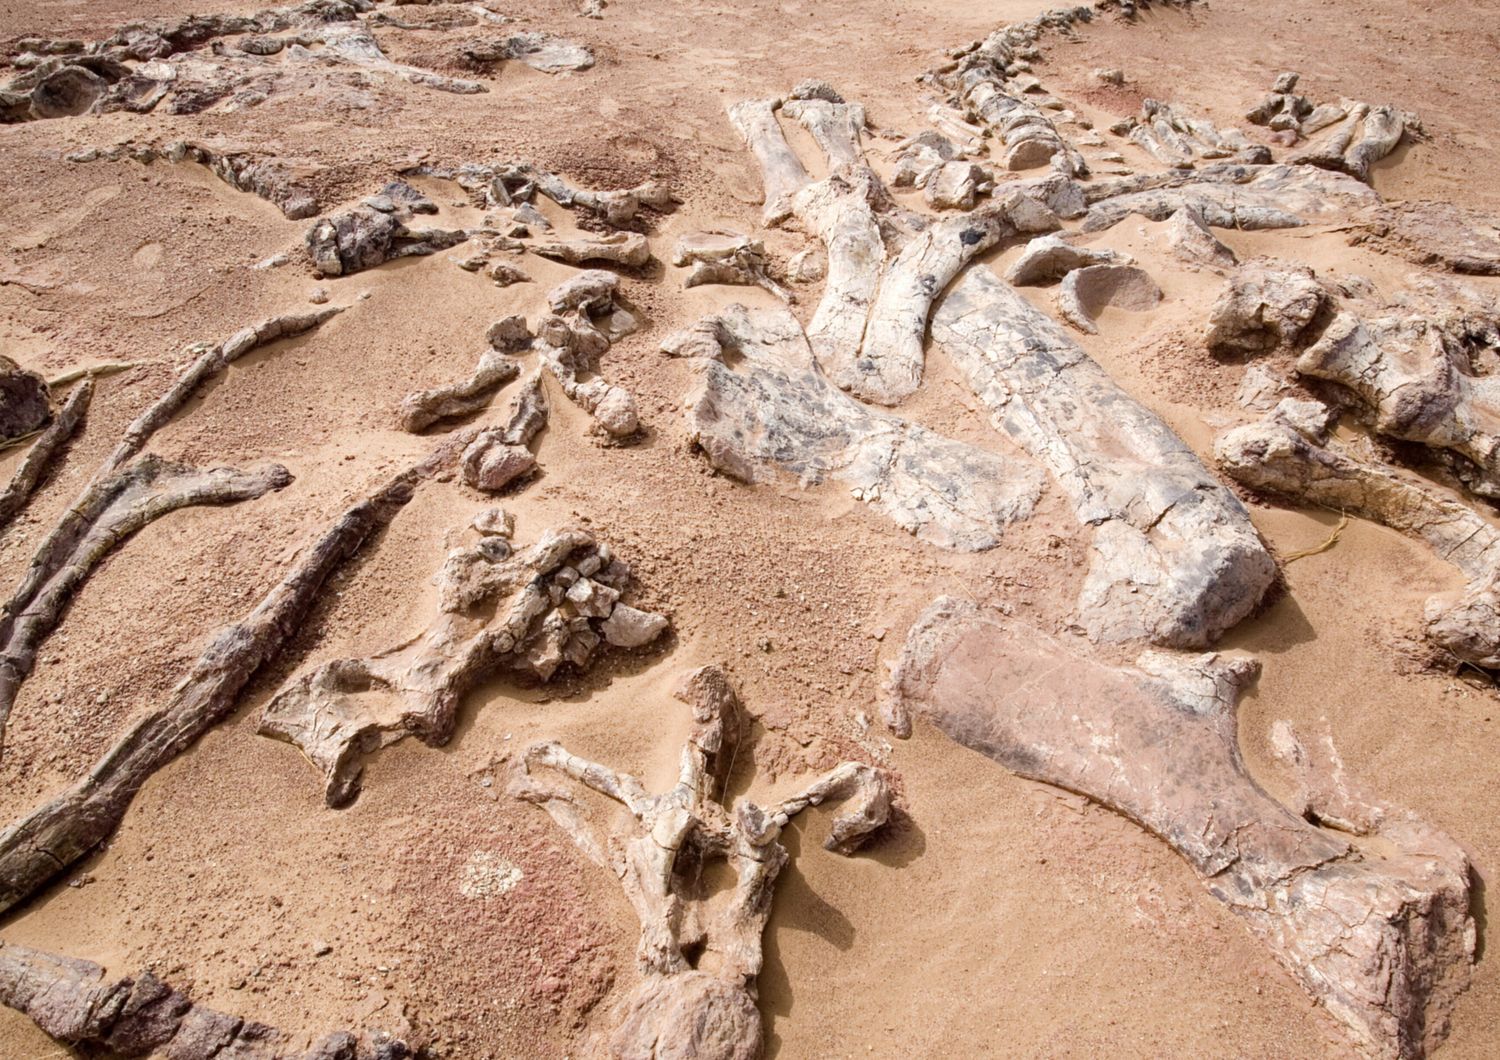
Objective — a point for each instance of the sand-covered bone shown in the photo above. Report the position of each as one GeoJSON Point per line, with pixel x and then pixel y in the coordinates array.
{"type": "Point", "coordinates": [1416, 379]}
{"type": "Point", "coordinates": [44, 450]}
{"type": "Point", "coordinates": [287, 183]}
{"type": "Point", "coordinates": [835, 125]}
{"type": "Point", "coordinates": [1177, 139]}
{"type": "Point", "coordinates": [421, 409]}
{"type": "Point", "coordinates": [525, 613]}
{"type": "Point", "coordinates": [512, 183]}
{"type": "Point", "coordinates": [1047, 259]}
{"type": "Point", "coordinates": [763, 410]}
{"type": "Point", "coordinates": [499, 456]}
{"type": "Point", "coordinates": [700, 954]}
{"type": "Point", "coordinates": [53, 838]}
{"type": "Point", "coordinates": [75, 1002]}
{"type": "Point", "coordinates": [1363, 138]}
{"type": "Point", "coordinates": [1381, 935]}
{"type": "Point", "coordinates": [618, 248]}
{"type": "Point", "coordinates": [1085, 293]}
{"type": "Point", "coordinates": [1264, 306]}
{"type": "Point", "coordinates": [1274, 456]}
{"type": "Point", "coordinates": [363, 237]}
{"type": "Point", "coordinates": [1175, 557]}
{"type": "Point", "coordinates": [781, 170]}
{"type": "Point", "coordinates": [727, 258]}
{"type": "Point", "coordinates": [1192, 241]}
{"type": "Point", "coordinates": [586, 318]}
{"type": "Point", "coordinates": [1444, 234]}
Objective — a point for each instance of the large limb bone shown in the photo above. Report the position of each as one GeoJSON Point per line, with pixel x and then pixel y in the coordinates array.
{"type": "Point", "coordinates": [1416, 380]}
{"type": "Point", "coordinates": [531, 612]}
{"type": "Point", "coordinates": [1274, 457]}
{"type": "Point", "coordinates": [1366, 136]}
{"type": "Point", "coordinates": [1176, 559]}
{"type": "Point", "coordinates": [1380, 934]}
{"type": "Point", "coordinates": [762, 406]}
{"type": "Point", "coordinates": [834, 124]}
{"type": "Point", "coordinates": [42, 452]}
{"type": "Point", "coordinates": [73, 1001]}
{"type": "Point", "coordinates": [56, 835]}
{"type": "Point", "coordinates": [782, 172]}
{"type": "Point", "coordinates": [699, 965]}
{"type": "Point", "coordinates": [116, 509]}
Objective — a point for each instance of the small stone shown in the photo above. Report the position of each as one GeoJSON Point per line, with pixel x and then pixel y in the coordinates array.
{"type": "Point", "coordinates": [321, 949]}
{"type": "Point", "coordinates": [628, 627]}
{"type": "Point", "coordinates": [1109, 75]}
{"type": "Point", "coordinates": [495, 522]}
{"type": "Point", "coordinates": [318, 296]}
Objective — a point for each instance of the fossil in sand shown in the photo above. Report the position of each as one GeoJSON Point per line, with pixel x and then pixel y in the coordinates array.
{"type": "Point", "coordinates": [529, 613]}
{"type": "Point", "coordinates": [1365, 136]}
{"type": "Point", "coordinates": [1175, 557]}
{"type": "Point", "coordinates": [1435, 233]}
{"type": "Point", "coordinates": [1368, 908]}
{"type": "Point", "coordinates": [499, 455]}
{"type": "Point", "coordinates": [762, 409]}
{"type": "Point", "coordinates": [1191, 240]}
{"type": "Point", "coordinates": [700, 952]}
{"type": "Point", "coordinates": [496, 367]}
{"type": "Point", "coordinates": [617, 248]}
{"type": "Point", "coordinates": [1420, 379]}
{"type": "Point", "coordinates": [1302, 465]}
{"type": "Point", "coordinates": [44, 450]}
{"type": "Point", "coordinates": [364, 236]}
{"type": "Point", "coordinates": [512, 183]}
{"type": "Point", "coordinates": [725, 257]}
{"type": "Point", "coordinates": [1264, 306]}
{"type": "Point", "coordinates": [76, 1003]}
{"type": "Point", "coordinates": [1172, 137]}
{"type": "Point", "coordinates": [1086, 292]}
{"type": "Point", "coordinates": [586, 318]}
{"type": "Point", "coordinates": [122, 497]}
{"type": "Point", "coordinates": [25, 401]}
{"type": "Point", "coordinates": [1047, 259]}
{"type": "Point", "coordinates": [56, 835]}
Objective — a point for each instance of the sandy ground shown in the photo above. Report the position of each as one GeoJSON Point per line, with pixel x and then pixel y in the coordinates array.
{"type": "Point", "coordinates": [998, 917]}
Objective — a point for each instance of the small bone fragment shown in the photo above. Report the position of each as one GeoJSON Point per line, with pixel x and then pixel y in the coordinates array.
{"type": "Point", "coordinates": [1381, 935]}
{"type": "Point", "coordinates": [1049, 258]}
{"type": "Point", "coordinates": [1192, 241]}
{"type": "Point", "coordinates": [679, 1003]}
{"type": "Point", "coordinates": [725, 257]}
{"type": "Point", "coordinates": [495, 522]}
{"type": "Point", "coordinates": [1085, 293]}
{"type": "Point", "coordinates": [954, 186]}
{"type": "Point", "coordinates": [496, 611]}
{"type": "Point", "coordinates": [621, 248]}
{"type": "Point", "coordinates": [519, 182]}
{"type": "Point", "coordinates": [588, 319]}
{"type": "Point", "coordinates": [761, 407]}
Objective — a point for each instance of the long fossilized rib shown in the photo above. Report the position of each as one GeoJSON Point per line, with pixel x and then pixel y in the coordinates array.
{"type": "Point", "coordinates": [1176, 559]}
{"type": "Point", "coordinates": [42, 452]}
{"type": "Point", "coordinates": [73, 1001]}
{"type": "Point", "coordinates": [1380, 934]}
{"type": "Point", "coordinates": [54, 836]}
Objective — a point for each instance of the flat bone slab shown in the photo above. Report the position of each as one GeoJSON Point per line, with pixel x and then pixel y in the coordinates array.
{"type": "Point", "coordinates": [1176, 559]}
{"type": "Point", "coordinates": [762, 410]}
{"type": "Point", "coordinates": [1380, 935]}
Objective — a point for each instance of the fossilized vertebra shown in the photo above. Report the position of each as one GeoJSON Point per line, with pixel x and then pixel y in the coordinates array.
{"type": "Point", "coordinates": [698, 964]}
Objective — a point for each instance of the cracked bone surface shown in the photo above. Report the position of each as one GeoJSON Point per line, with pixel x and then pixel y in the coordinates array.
{"type": "Point", "coordinates": [1176, 139]}
{"type": "Point", "coordinates": [1276, 457]}
{"type": "Point", "coordinates": [727, 258]}
{"type": "Point", "coordinates": [586, 319]}
{"type": "Point", "coordinates": [762, 409]}
{"type": "Point", "coordinates": [1435, 233]}
{"type": "Point", "coordinates": [76, 1003]}
{"type": "Point", "coordinates": [1416, 380]}
{"type": "Point", "coordinates": [59, 833]}
{"type": "Point", "coordinates": [525, 613]}
{"type": "Point", "coordinates": [1376, 928]}
{"type": "Point", "coordinates": [1264, 306]}
{"type": "Point", "coordinates": [1363, 138]}
{"type": "Point", "coordinates": [701, 1006]}
{"type": "Point", "coordinates": [1175, 557]}
{"type": "Point", "coordinates": [364, 236]}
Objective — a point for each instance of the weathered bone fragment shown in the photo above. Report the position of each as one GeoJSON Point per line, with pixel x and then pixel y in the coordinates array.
{"type": "Point", "coordinates": [1363, 138]}
{"type": "Point", "coordinates": [586, 319]}
{"type": "Point", "coordinates": [41, 454]}
{"type": "Point", "coordinates": [1049, 258]}
{"type": "Point", "coordinates": [528, 613]}
{"type": "Point", "coordinates": [1084, 293]}
{"type": "Point", "coordinates": [1435, 233]}
{"type": "Point", "coordinates": [725, 257]}
{"type": "Point", "coordinates": [498, 456]}
{"type": "Point", "coordinates": [784, 176]}
{"type": "Point", "coordinates": [1276, 457]}
{"type": "Point", "coordinates": [423, 408]}
{"type": "Point", "coordinates": [56, 835]}
{"type": "Point", "coordinates": [1229, 195]}
{"type": "Point", "coordinates": [919, 158]}
{"type": "Point", "coordinates": [117, 508]}
{"type": "Point", "coordinates": [540, 51]}
{"type": "Point", "coordinates": [25, 401]}
{"type": "Point", "coordinates": [620, 248]}
{"type": "Point", "coordinates": [698, 964]}
{"type": "Point", "coordinates": [1172, 137]}
{"type": "Point", "coordinates": [1379, 933]}
{"type": "Point", "coordinates": [78, 1005]}
{"type": "Point", "coordinates": [508, 184]}
{"type": "Point", "coordinates": [762, 408]}
{"type": "Point", "coordinates": [1264, 306]}
{"type": "Point", "coordinates": [363, 237]}
{"type": "Point", "coordinates": [1416, 380]}
{"type": "Point", "coordinates": [1176, 559]}
{"type": "Point", "coordinates": [1190, 238]}
{"type": "Point", "coordinates": [955, 186]}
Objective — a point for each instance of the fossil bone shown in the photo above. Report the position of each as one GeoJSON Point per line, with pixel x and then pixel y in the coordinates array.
{"type": "Point", "coordinates": [620, 248]}
{"type": "Point", "coordinates": [25, 401]}
{"type": "Point", "coordinates": [1176, 559]}
{"type": "Point", "coordinates": [1049, 258]}
{"type": "Point", "coordinates": [363, 237]}
{"type": "Point", "coordinates": [1264, 306]}
{"type": "Point", "coordinates": [1085, 292]}
{"type": "Point", "coordinates": [725, 257]}
{"type": "Point", "coordinates": [701, 1005]}
{"type": "Point", "coordinates": [1363, 138]}
{"type": "Point", "coordinates": [1435, 233]}
{"type": "Point", "coordinates": [586, 319]}
{"type": "Point", "coordinates": [1379, 933]}
{"type": "Point", "coordinates": [762, 407]}
{"type": "Point", "coordinates": [76, 1003]}
{"type": "Point", "coordinates": [782, 171]}
{"type": "Point", "coordinates": [423, 408]}
{"type": "Point", "coordinates": [530, 612]}
{"type": "Point", "coordinates": [42, 452]}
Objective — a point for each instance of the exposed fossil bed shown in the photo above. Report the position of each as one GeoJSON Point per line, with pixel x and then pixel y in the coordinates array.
{"type": "Point", "coordinates": [976, 524]}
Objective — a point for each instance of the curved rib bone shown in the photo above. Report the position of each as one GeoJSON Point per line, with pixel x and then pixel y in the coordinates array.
{"type": "Point", "coordinates": [703, 1007]}
{"type": "Point", "coordinates": [73, 1001]}
{"type": "Point", "coordinates": [761, 405]}
{"type": "Point", "coordinates": [41, 453]}
{"type": "Point", "coordinates": [1176, 559]}
{"type": "Point", "coordinates": [57, 834]}
{"type": "Point", "coordinates": [423, 408]}
{"type": "Point", "coordinates": [1379, 934]}
{"type": "Point", "coordinates": [549, 604]}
